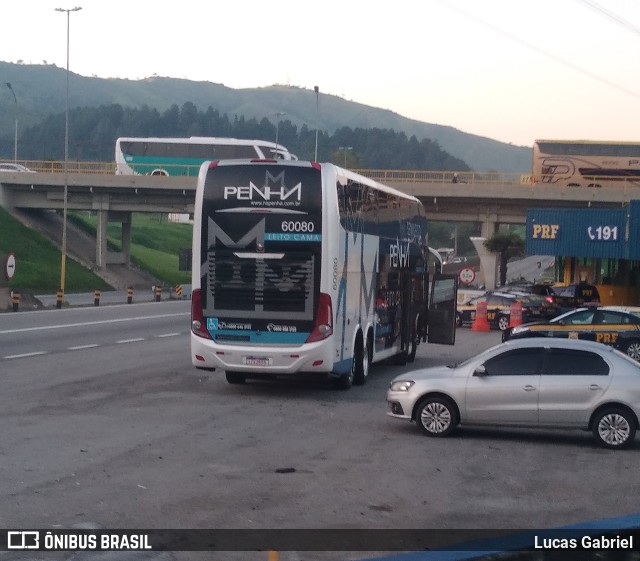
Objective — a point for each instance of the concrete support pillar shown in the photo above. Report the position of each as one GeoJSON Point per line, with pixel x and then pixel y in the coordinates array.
{"type": "Point", "coordinates": [488, 228]}
{"type": "Point", "coordinates": [101, 239]}
{"type": "Point", "coordinates": [488, 262]}
{"type": "Point", "coordinates": [126, 238]}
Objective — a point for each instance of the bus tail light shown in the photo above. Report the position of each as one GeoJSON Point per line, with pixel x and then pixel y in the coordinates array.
{"type": "Point", "coordinates": [323, 326]}
{"type": "Point", "coordinates": [198, 323]}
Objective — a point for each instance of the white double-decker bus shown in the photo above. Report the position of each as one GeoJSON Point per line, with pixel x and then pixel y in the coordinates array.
{"type": "Point", "coordinates": [586, 163]}
{"type": "Point", "coordinates": [184, 156]}
{"type": "Point", "coordinates": [303, 268]}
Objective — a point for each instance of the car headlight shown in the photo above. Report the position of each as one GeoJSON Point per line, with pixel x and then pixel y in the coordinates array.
{"type": "Point", "coordinates": [401, 385]}
{"type": "Point", "coordinates": [519, 329]}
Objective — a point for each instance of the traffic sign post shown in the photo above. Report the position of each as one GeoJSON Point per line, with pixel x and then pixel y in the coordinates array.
{"type": "Point", "coordinates": [10, 266]}
{"type": "Point", "coordinates": [467, 275]}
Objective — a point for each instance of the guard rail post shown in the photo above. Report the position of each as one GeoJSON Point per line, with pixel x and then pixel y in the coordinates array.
{"type": "Point", "coordinates": [15, 300]}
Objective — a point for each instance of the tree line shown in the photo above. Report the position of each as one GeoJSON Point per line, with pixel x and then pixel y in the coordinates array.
{"type": "Point", "coordinates": [93, 132]}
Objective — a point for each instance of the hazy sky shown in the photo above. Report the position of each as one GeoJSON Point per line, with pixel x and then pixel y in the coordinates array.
{"type": "Point", "coordinates": [513, 70]}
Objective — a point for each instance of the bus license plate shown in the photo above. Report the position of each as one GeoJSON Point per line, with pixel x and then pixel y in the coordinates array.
{"type": "Point", "coordinates": [256, 361]}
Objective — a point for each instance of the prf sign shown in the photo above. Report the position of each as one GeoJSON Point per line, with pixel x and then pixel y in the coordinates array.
{"type": "Point", "coordinates": [545, 231]}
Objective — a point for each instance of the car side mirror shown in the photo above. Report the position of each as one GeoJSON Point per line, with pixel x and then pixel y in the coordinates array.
{"type": "Point", "coordinates": [480, 371]}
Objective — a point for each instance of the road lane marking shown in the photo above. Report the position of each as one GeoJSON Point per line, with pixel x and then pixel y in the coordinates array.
{"type": "Point", "coordinates": [168, 335]}
{"type": "Point", "coordinates": [25, 355]}
{"type": "Point", "coordinates": [81, 347]}
{"type": "Point", "coordinates": [136, 340]}
{"type": "Point", "coordinates": [83, 324]}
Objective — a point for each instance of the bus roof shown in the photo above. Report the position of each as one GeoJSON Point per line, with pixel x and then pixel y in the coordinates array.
{"type": "Point", "coordinates": [340, 172]}
{"type": "Point", "coordinates": [611, 142]}
{"type": "Point", "coordinates": [201, 140]}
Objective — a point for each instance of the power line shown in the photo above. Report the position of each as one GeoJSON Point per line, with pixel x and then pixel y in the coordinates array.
{"type": "Point", "coordinates": [539, 50]}
{"type": "Point", "coordinates": [609, 14]}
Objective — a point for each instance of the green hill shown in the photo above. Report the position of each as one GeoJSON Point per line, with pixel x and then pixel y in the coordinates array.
{"type": "Point", "coordinates": [41, 90]}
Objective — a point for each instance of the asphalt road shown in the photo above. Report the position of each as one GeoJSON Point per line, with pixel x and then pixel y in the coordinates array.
{"type": "Point", "coordinates": [108, 425]}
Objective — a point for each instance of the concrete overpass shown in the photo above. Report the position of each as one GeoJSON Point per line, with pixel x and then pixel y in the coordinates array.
{"type": "Point", "coordinates": [486, 198]}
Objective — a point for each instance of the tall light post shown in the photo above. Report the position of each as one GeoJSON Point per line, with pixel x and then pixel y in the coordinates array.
{"type": "Point", "coordinates": [317, 90]}
{"type": "Point", "coordinates": [277, 116]}
{"type": "Point", "coordinates": [346, 149]}
{"type": "Point", "coordinates": [63, 262]}
{"type": "Point", "coordinates": [15, 142]}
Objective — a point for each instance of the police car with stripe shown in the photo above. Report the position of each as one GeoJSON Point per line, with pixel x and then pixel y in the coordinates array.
{"type": "Point", "coordinates": [617, 326]}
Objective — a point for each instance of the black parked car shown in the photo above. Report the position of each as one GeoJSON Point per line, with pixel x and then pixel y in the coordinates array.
{"type": "Point", "coordinates": [534, 308]}
{"type": "Point", "coordinates": [576, 295]}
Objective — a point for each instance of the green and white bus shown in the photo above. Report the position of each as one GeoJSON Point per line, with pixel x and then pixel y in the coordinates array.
{"type": "Point", "coordinates": [301, 268]}
{"type": "Point", "coordinates": [183, 156]}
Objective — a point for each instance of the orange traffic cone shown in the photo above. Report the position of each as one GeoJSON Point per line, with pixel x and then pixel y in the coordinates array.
{"type": "Point", "coordinates": [480, 322]}
{"type": "Point", "coordinates": [516, 314]}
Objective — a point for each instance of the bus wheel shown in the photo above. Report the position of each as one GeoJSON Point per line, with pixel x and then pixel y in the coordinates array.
{"type": "Point", "coordinates": [401, 358]}
{"type": "Point", "coordinates": [415, 341]}
{"type": "Point", "coordinates": [361, 358]}
{"type": "Point", "coordinates": [235, 377]}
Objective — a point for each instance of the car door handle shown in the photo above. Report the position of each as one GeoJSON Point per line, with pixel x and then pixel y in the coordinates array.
{"type": "Point", "coordinates": [595, 387]}
{"type": "Point", "coordinates": [529, 388]}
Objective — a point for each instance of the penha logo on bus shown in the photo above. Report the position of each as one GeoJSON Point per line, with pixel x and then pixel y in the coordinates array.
{"type": "Point", "coordinates": [274, 188]}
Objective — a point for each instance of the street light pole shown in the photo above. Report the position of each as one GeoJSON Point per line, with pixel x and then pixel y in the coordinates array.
{"type": "Point", "coordinates": [63, 262]}
{"type": "Point", "coordinates": [346, 149]}
{"type": "Point", "coordinates": [277, 116]}
{"type": "Point", "coordinates": [15, 142]}
{"type": "Point", "coordinates": [317, 90]}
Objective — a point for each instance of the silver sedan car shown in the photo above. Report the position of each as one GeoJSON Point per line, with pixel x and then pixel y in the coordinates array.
{"type": "Point", "coordinates": [549, 383]}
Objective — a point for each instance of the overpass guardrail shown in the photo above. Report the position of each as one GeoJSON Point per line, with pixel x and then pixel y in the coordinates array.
{"type": "Point", "coordinates": [381, 175]}
{"type": "Point", "coordinates": [388, 176]}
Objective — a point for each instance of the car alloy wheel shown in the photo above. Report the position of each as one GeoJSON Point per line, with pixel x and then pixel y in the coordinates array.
{"type": "Point", "coordinates": [614, 428]}
{"type": "Point", "coordinates": [633, 350]}
{"type": "Point", "coordinates": [503, 323]}
{"type": "Point", "coordinates": [436, 416]}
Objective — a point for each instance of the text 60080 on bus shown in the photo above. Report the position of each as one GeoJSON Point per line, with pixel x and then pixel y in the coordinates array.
{"type": "Point", "coordinates": [303, 268]}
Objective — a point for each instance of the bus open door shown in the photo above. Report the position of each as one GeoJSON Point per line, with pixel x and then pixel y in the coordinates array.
{"type": "Point", "coordinates": [442, 309]}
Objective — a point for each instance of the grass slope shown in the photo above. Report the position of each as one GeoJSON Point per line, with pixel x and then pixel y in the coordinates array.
{"type": "Point", "coordinates": [155, 243]}
{"type": "Point", "coordinates": [38, 262]}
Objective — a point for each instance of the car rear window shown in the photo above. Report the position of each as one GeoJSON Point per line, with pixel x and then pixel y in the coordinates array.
{"type": "Point", "coordinates": [571, 362]}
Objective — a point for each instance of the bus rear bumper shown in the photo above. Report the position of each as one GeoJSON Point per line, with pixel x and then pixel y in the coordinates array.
{"type": "Point", "coordinates": [312, 357]}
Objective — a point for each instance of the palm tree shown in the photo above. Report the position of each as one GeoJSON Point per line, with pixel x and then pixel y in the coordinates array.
{"type": "Point", "coordinates": [506, 245]}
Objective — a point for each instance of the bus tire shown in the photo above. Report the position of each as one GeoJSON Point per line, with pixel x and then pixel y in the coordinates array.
{"type": "Point", "coordinates": [361, 361]}
{"type": "Point", "coordinates": [401, 358]}
{"type": "Point", "coordinates": [414, 342]}
{"type": "Point", "coordinates": [235, 377]}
